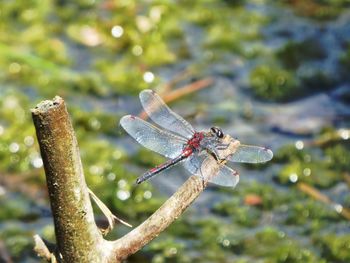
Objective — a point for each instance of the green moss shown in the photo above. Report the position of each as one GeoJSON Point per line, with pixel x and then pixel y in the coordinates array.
{"type": "Point", "coordinates": [17, 149]}
{"type": "Point", "coordinates": [335, 248]}
{"type": "Point", "coordinates": [244, 215]}
{"type": "Point", "coordinates": [247, 216]}
{"type": "Point", "coordinates": [40, 59]}
{"type": "Point", "coordinates": [293, 54]}
{"type": "Point", "coordinates": [309, 211]}
{"type": "Point", "coordinates": [273, 83]}
{"type": "Point", "coordinates": [340, 157]}
{"type": "Point", "coordinates": [229, 36]}
{"type": "Point", "coordinates": [13, 209]}
{"type": "Point", "coordinates": [209, 230]}
{"type": "Point", "coordinates": [168, 250]}
{"type": "Point", "coordinates": [184, 227]}
{"type": "Point", "coordinates": [18, 242]}
{"type": "Point", "coordinates": [275, 246]}
{"type": "Point", "coordinates": [218, 39]}
{"type": "Point", "coordinates": [271, 197]}
{"type": "Point", "coordinates": [288, 153]}
{"type": "Point", "coordinates": [316, 173]}
{"type": "Point", "coordinates": [319, 9]}
{"type": "Point", "coordinates": [96, 121]}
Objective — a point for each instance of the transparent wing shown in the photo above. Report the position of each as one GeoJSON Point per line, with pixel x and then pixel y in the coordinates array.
{"type": "Point", "coordinates": [194, 163]}
{"type": "Point", "coordinates": [251, 154]}
{"type": "Point", "coordinates": [153, 138]}
{"type": "Point", "coordinates": [225, 176]}
{"type": "Point", "coordinates": [161, 114]}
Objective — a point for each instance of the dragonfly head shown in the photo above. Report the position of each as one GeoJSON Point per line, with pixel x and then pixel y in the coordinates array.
{"type": "Point", "coordinates": [217, 131]}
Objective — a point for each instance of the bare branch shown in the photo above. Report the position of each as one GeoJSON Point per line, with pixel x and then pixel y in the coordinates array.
{"type": "Point", "coordinates": [185, 90]}
{"type": "Point", "coordinates": [171, 209]}
{"type": "Point", "coordinates": [78, 237]}
{"type": "Point", "coordinates": [42, 250]}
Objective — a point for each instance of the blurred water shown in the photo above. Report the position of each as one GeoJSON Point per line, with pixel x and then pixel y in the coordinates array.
{"type": "Point", "coordinates": [230, 103]}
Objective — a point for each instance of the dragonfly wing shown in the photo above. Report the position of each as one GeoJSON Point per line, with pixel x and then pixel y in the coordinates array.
{"type": "Point", "coordinates": [225, 176]}
{"type": "Point", "coordinates": [161, 114]}
{"type": "Point", "coordinates": [251, 154]}
{"type": "Point", "coordinates": [153, 138]}
{"type": "Point", "coordinates": [193, 164]}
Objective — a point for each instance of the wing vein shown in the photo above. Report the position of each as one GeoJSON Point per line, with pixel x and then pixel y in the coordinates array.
{"type": "Point", "coordinates": [153, 138]}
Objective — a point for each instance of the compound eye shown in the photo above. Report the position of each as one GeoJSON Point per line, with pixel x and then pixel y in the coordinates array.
{"type": "Point", "coordinates": [217, 131]}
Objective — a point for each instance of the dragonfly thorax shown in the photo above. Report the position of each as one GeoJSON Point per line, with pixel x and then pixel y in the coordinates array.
{"type": "Point", "coordinates": [195, 141]}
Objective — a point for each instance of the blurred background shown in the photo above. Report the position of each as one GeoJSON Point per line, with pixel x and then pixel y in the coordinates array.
{"type": "Point", "coordinates": [271, 73]}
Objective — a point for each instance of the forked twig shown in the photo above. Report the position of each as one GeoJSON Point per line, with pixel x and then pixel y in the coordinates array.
{"type": "Point", "coordinates": [42, 250]}
{"type": "Point", "coordinates": [108, 214]}
{"type": "Point", "coordinates": [78, 238]}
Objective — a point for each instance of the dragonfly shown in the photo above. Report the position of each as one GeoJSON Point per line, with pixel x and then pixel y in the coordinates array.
{"type": "Point", "coordinates": [175, 138]}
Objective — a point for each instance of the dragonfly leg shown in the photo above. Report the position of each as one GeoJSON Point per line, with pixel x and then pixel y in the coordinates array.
{"type": "Point", "coordinates": [214, 150]}
{"type": "Point", "coordinates": [222, 146]}
{"type": "Point", "coordinates": [201, 176]}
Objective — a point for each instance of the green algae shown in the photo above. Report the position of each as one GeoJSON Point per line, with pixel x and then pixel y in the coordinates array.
{"type": "Point", "coordinates": [41, 58]}
{"type": "Point", "coordinates": [319, 10]}
{"type": "Point", "coordinates": [293, 54]}
{"type": "Point", "coordinates": [334, 247]}
{"type": "Point", "coordinates": [311, 214]}
{"type": "Point", "coordinates": [316, 173]}
{"type": "Point", "coordinates": [273, 83]}
{"type": "Point", "coordinates": [17, 241]}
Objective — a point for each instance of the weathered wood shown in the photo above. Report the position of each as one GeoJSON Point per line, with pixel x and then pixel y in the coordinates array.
{"type": "Point", "coordinates": [161, 219]}
{"type": "Point", "coordinates": [172, 208]}
{"type": "Point", "coordinates": [78, 238]}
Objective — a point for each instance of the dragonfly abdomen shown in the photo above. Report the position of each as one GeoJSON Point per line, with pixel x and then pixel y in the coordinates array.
{"type": "Point", "coordinates": [170, 163]}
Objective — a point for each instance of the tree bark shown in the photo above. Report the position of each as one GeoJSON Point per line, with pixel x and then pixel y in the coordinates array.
{"type": "Point", "coordinates": [78, 238]}
{"type": "Point", "coordinates": [173, 207]}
